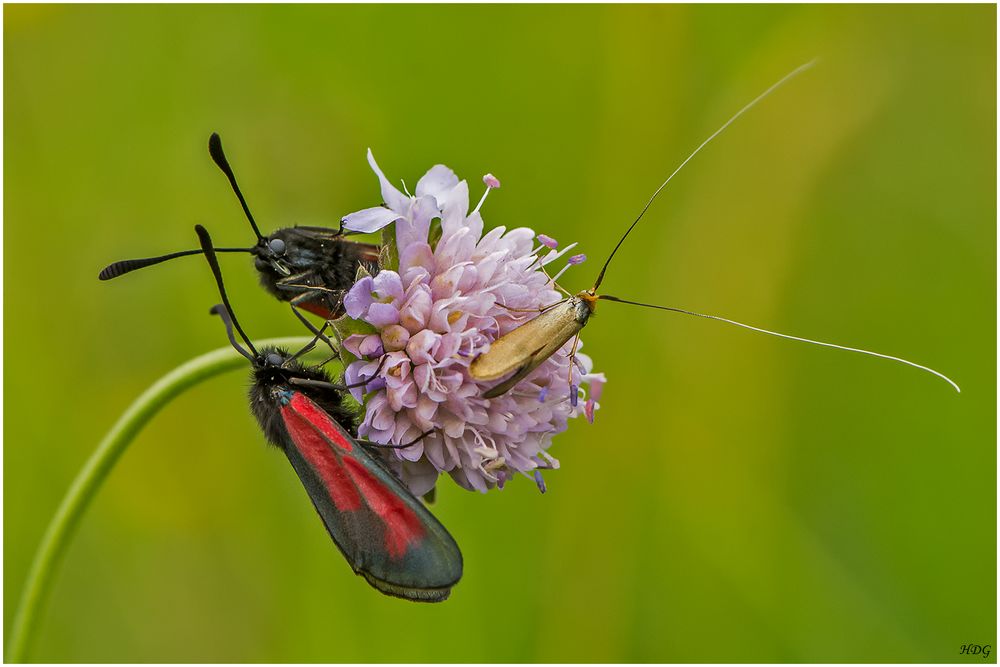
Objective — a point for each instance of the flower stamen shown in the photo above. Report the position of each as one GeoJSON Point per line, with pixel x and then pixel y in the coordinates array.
{"type": "Point", "coordinates": [491, 182]}
{"type": "Point", "coordinates": [550, 257]}
{"type": "Point", "coordinates": [552, 461]}
{"type": "Point", "coordinates": [572, 261]}
{"type": "Point", "coordinates": [547, 241]}
{"type": "Point", "coordinates": [540, 481]}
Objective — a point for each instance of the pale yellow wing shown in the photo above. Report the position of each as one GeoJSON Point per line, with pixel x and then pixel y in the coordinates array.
{"type": "Point", "coordinates": [536, 339]}
{"type": "Point", "coordinates": [525, 348]}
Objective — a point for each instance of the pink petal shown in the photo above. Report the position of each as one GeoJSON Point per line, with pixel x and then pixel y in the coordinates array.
{"type": "Point", "coordinates": [398, 395]}
{"type": "Point", "coordinates": [357, 300]}
{"type": "Point", "coordinates": [394, 337]}
{"type": "Point", "coordinates": [353, 344]}
{"type": "Point", "coordinates": [416, 255]}
{"type": "Point", "coordinates": [371, 346]}
{"type": "Point", "coordinates": [426, 409]}
{"type": "Point", "coordinates": [415, 312]}
{"type": "Point", "coordinates": [382, 315]}
{"type": "Point", "coordinates": [448, 346]}
{"type": "Point", "coordinates": [415, 227]}
{"type": "Point", "coordinates": [387, 284]}
{"type": "Point", "coordinates": [443, 284]}
{"type": "Point", "coordinates": [434, 449]}
{"type": "Point", "coordinates": [455, 209]}
{"type": "Point", "coordinates": [419, 477]}
{"type": "Point", "coordinates": [383, 419]}
{"type": "Point", "coordinates": [414, 452]}
{"type": "Point", "coordinates": [352, 376]}
{"type": "Point", "coordinates": [422, 375]}
{"type": "Point", "coordinates": [437, 182]}
{"type": "Point", "coordinates": [392, 197]}
{"type": "Point", "coordinates": [369, 219]}
{"type": "Point", "coordinates": [596, 388]}
{"type": "Point", "coordinates": [420, 345]}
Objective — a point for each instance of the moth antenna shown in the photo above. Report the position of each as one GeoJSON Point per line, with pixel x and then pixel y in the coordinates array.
{"type": "Point", "coordinates": [130, 265]}
{"type": "Point", "coordinates": [220, 310]}
{"type": "Point", "coordinates": [213, 262]}
{"type": "Point", "coordinates": [219, 157]}
{"type": "Point", "coordinates": [751, 104]}
{"type": "Point", "coordinates": [789, 337]}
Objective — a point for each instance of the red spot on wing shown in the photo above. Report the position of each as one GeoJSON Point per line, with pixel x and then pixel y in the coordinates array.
{"type": "Point", "coordinates": [402, 525]}
{"type": "Point", "coordinates": [317, 452]}
{"type": "Point", "coordinates": [369, 252]}
{"type": "Point", "coordinates": [317, 307]}
{"type": "Point", "coordinates": [320, 420]}
{"type": "Point", "coordinates": [348, 480]}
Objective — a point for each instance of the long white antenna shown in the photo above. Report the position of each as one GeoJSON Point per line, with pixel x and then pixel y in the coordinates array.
{"type": "Point", "coordinates": [789, 337]}
{"type": "Point", "coordinates": [794, 72]}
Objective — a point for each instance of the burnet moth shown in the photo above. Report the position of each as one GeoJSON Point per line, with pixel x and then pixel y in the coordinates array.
{"type": "Point", "coordinates": [311, 267]}
{"type": "Point", "coordinates": [385, 534]}
{"type": "Point", "coordinates": [523, 349]}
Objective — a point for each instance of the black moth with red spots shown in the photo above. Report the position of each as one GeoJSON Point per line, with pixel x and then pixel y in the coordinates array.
{"type": "Point", "coordinates": [385, 533]}
{"type": "Point", "coordinates": [310, 267]}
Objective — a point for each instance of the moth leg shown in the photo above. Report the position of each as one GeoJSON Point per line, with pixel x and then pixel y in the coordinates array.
{"type": "Point", "coordinates": [300, 282]}
{"type": "Point", "coordinates": [300, 285]}
{"type": "Point", "coordinates": [318, 333]}
{"type": "Point", "coordinates": [534, 310]}
{"type": "Point", "coordinates": [335, 307]}
{"type": "Point", "coordinates": [310, 288]}
{"type": "Point", "coordinates": [520, 310]}
{"type": "Point", "coordinates": [557, 285]}
{"type": "Point", "coordinates": [292, 283]}
{"type": "Point", "coordinates": [403, 445]}
{"type": "Point", "coordinates": [572, 361]}
{"type": "Point", "coordinates": [305, 382]}
{"type": "Point", "coordinates": [304, 297]}
{"type": "Point", "coordinates": [316, 338]}
{"type": "Point", "coordinates": [308, 293]}
{"type": "Point", "coordinates": [323, 363]}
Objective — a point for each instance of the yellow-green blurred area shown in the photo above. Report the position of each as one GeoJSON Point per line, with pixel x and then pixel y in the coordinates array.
{"type": "Point", "coordinates": [739, 497]}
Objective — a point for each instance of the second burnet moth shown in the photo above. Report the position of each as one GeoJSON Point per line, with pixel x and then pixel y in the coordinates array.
{"type": "Point", "coordinates": [311, 267]}
{"type": "Point", "coordinates": [385, 533]}
{"type": "Point", "coordinates": [520, 351]}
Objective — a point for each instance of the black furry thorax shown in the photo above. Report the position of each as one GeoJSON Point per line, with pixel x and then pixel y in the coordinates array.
{"type": "Point", "coordinates": [271, 388]}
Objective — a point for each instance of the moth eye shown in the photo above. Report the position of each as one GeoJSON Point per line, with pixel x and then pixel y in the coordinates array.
{"type": "Point", "coordinates": [275, 359]}
{"type": "Point", "coordinates": [277, 246]}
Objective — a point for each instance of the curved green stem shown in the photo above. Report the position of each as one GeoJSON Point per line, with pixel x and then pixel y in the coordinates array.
{"type": "Point", "coordinates": [96, 469]}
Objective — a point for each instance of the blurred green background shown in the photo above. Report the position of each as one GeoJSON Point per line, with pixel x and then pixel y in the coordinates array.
{"type": "Point", "coordinates": [739, 498]}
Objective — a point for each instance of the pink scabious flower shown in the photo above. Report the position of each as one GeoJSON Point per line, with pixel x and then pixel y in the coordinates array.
{"type": "Point", "coordinates": [454, 291]}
